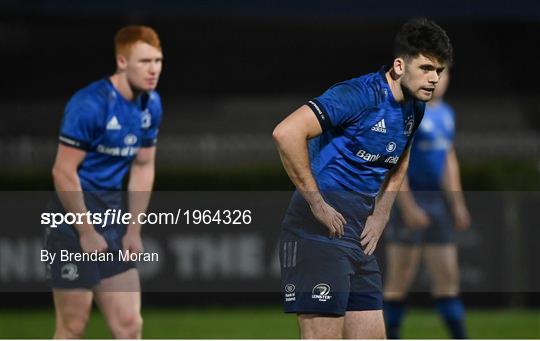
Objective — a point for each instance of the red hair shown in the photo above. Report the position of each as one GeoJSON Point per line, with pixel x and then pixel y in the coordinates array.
{"type": "Point", "coordinates": [128, 36]}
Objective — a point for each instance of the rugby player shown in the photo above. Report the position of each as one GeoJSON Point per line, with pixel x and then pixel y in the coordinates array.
{"type": "Point", "coordinates": [346, 152]}
{"type": "Point", "coordinates": [430, 205]}
{"type": "Point", "coordinates": [109, 129]}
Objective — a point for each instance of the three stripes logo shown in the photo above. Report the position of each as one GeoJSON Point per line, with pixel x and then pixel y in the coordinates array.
{"type": "Point", "coordinates": [113, 124]}
{"type": "Point", "coordinates": [380, 127]}
{"type": "Point", "coordinates": [289, 254]}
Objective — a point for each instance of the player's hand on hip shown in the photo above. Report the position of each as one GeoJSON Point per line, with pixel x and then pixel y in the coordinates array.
{"type": "Point", "coordinates": [372, 232]}
{"type": "Point", "coordinates": [132, 242]}
{"type": "Point", "coordinates": [462, 218]}
{"type": "Point", "coordinates": [415, 218]}
{"type": "Point", "coordinates": [92, 241]}
{"type": "Point", "coordinates": [330, 218]}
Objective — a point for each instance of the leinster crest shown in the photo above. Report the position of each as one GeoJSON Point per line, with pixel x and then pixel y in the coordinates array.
{"type": "Point", "coordinates": [146, 119]}
{"type": "Point", "coordinates": [409, 124]}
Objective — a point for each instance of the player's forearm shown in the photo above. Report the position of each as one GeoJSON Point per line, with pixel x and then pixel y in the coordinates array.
{"type": "Point", "coordinates": [451, 183]}
{"type": "Point", "coordinates": [141, 177]}
{"type": "Point", "coordinates": [391, 187]}
{"type": "Point", "coordinates": [386, 199]}
{"type": "Point", "coordinates": [69, 191]}
{"type": "Point", "coordinates": [294, 156]}
{"type": "Point", "coordinates": [405, 199]}
{"type": "Point", "coordinates": [140, 185]}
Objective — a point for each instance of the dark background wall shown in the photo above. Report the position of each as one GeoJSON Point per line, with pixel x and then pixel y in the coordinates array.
{"type": "Point", "coordinates": [51, 54]}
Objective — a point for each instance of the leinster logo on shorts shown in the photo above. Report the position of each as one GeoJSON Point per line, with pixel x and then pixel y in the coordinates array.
{"type": "Point", "coordinates": [70, 272]}
{"type": "Point", "coordinates": [321, 292]}
{"type": "Point", "coordinates": [391, 146]}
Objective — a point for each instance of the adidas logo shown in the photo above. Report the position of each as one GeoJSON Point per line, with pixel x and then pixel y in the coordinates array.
{"type": "Point", "coordinates": [113, 124]}
{"type": "Point", "coordinates": [380, 127]}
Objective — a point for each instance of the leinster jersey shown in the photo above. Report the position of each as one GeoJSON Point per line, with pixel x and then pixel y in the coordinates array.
{"type": "Point", "coordinates": [430, 147]}
{"type": "Point", "coordinates": [365, 132]}
{"type": "Point", "coordinates": [111, 130]}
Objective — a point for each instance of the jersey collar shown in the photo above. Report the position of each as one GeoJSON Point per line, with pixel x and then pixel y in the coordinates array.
{"type": "Point", "coordinates": [386, 87]}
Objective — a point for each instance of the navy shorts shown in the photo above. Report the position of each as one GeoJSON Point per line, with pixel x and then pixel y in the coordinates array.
{"type": "Point", "coordinates": [328, 279]}
{"type": "Point", "coordinates": [440, 231]}
{"type": "Point", "coordinates": [72, 274]}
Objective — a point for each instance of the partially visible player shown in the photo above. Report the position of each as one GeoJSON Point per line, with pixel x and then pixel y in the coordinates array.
{"type": "Point", "coordinates": [430, 205]}
{"type": "Point", "coordinates": [109, 130]}
{"type": "Point", "coordinates": [346, 152]}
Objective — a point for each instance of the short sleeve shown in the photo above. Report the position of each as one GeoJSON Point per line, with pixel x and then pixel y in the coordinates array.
{"type": "Point", "coordinates": [151, 122]}
{"type": "Point", "coordinates": [342, 103]}
{"type": "Point", "coordinates": [80, 123]}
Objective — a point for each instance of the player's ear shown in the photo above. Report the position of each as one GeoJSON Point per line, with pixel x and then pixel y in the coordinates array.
{"type": "Point", "coordinates": [399, 66]}
{"type": "Point", "coordinates": [121, 62]}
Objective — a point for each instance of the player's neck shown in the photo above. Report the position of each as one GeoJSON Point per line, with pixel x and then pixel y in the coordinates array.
{"type": "Point", "coordinates": [395, 86]}
{"type": "Point", "coordinates": [120, 82]}
{"type": "Point", "coordinates": [434, 102]}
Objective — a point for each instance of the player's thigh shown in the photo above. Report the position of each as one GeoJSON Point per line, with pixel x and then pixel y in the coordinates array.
{"type": "Point", "coordinates": [119, 298]}
{"type": "Point", "coordinates": [442, 263]}
{"type": "Point", "coordinates": [366, 292]}
{"type": "Point", "coordinates": [313, 326]}
{"type": "Point", "coordinates": [367, 324]}
{"type": "Point", "coordinates": [72, 308]}
{"type": "Point", "coordinates": [401, 265]}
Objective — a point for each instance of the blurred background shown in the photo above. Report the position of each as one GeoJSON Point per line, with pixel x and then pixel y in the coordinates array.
{"type": "Point", "coordinates": [232, 71]}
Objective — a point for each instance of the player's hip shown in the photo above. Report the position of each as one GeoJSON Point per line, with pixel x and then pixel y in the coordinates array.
{"type": "Point", "coordinates": [300, 219]}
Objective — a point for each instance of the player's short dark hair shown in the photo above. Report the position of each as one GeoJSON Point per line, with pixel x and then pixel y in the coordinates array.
{"type": "Point", "coordinates": [422, 36]}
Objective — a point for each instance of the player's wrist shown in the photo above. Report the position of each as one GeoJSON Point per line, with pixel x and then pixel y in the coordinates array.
{"type": "Point", "coordinates": [459, 208]}
{"type": "Point", "coordinates": [134, 230]}
{"type": "Point", "coordinates": [409, 206]}
{"type": "Point", "coordinates": [314, 198]}
{"type": "Point", "coordinates": [85, 229]}
{"type": "Point", "coordinates": [382, 210]}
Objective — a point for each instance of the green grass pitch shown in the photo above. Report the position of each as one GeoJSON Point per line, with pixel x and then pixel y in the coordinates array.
{"type": "Point", "coordinates": [267, 323]}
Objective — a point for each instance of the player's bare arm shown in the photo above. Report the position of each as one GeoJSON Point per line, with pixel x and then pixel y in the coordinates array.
{"type": "Point", "coordinates": [141, 181]}
{"type": "Point", "coordinates": [452, 187]}
{"type": "Point", "coordinates": [413, 216]}
{"type": "Point", "coordinates": [68, 187]}
{"type": "Point", "coordinates": [376, 222]}
{"type": "Point", "coordinates": [291, 136]}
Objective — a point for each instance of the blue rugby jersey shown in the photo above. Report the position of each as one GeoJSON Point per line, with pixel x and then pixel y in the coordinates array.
{"type": "Point", "coordinates": [365, 132]}
{"type": "Point", "coordinates": [111, 129]}
{"type": "Point", "coordinates": [430, 146]}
